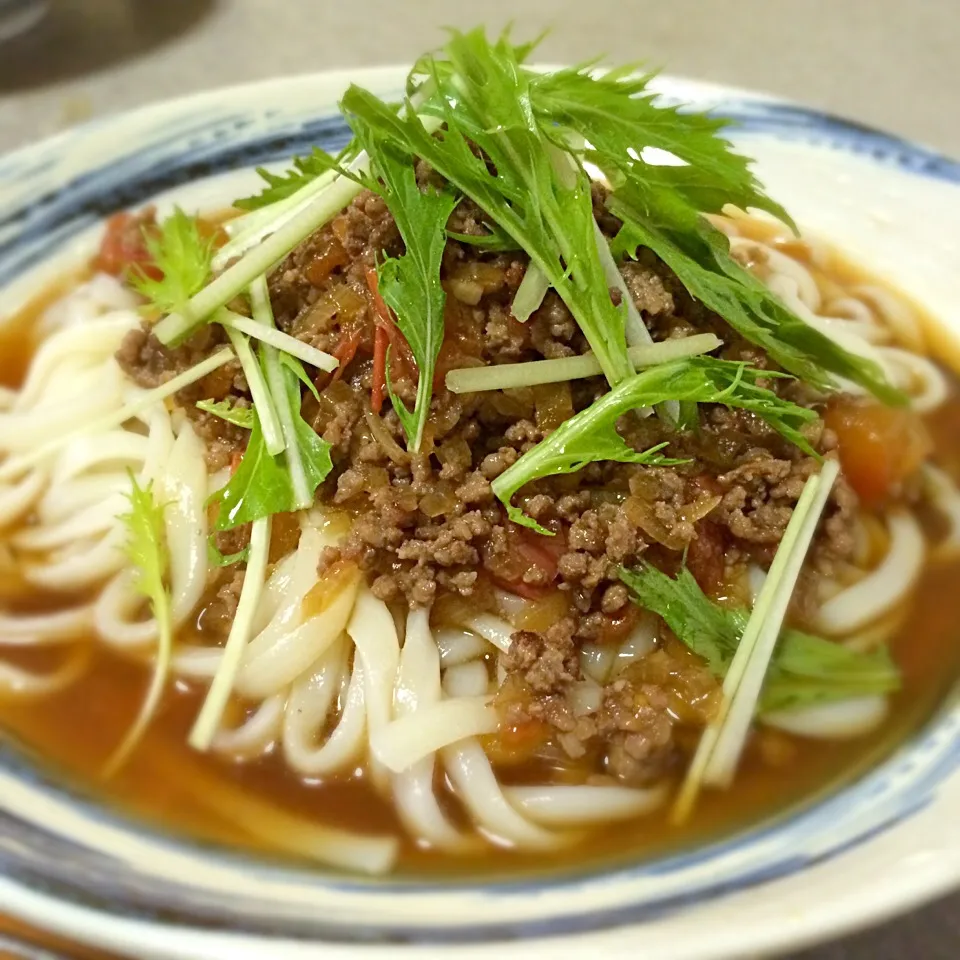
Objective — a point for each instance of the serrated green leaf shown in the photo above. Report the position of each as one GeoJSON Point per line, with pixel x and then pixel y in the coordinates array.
{"type": "Point", "coordinates": [183, 255]}
{"type": "Point", "coordinates": [149, 561]}
{"type": "Point", "coordinates": [591, 435]}
{"type": "Point", "coordinates": [261, 485]}
{"type": "Point", "coordinates": [483, 98]}
{"type": "Point", "coordinates": [295, 366]}
{"type": "Point", "coordinates": [805, 669]}
{"type": "Point", "coordinates": [410, 284]}
{"type": "Point", "coordinates": [218, 559]}
{"type": "Point", "coordinates": [279, 186]}
{"type": "Point", "coordinates": [494, 241]}
{"type": "Point", "coordinates": [616, 113]}
{"type": "Point", "coordinates": [225, 410]}
{"type": "Point", "coordinates": [699, 255]}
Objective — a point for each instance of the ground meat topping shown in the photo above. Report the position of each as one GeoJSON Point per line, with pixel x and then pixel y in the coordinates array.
{"type": "Point", "coordinates": [426, 524]}
{"type": "Point", "coordinates": [546, 662]}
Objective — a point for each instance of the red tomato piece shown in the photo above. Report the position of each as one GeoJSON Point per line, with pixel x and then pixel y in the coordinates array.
{"type": "Point", "coordinates": [879, 446]}
{"type": "Point", "coordinates": [124, 246]}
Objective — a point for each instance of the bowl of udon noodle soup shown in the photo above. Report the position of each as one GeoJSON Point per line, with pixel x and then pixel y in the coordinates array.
{"type": "Point", "coordinates": [508, 519]}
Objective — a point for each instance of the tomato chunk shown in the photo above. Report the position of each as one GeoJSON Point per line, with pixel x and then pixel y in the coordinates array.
{"type": "Point", "coordinates": [124, 245]}
{"type": "Point", "coordinates": [527, 549]}
{"type": "Point", "coordinates": [879, 446]}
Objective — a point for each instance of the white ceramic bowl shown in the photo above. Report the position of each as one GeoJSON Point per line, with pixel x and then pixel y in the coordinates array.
{"type": "Point", "coordinates": [883, 844]}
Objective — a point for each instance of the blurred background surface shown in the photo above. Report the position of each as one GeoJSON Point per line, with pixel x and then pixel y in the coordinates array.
{"type": "Point", "coordinates": [888, 63]}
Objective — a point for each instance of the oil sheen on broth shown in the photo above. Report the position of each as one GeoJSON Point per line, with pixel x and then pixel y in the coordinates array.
{"type": "Point", "coordinates": [170, 786]}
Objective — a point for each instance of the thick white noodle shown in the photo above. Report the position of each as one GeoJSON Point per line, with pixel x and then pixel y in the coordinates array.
{"type": "Point", "coordinates": [28, 630]}
{"type": "Point", "coordinates": [300, 836]}
{"type": "Point", "coordinates": [196, 663]}
{"type": "Point", "coordinates": [459, 646]}
{"type": "Point", "coordinates": [778, 265]}
{"type": "Point", "coordinates": [474, 782]}
{"type": "Point", "coordinates": [80, 566]}
{"type": "Point", "coordinates": [408, 739]}
{"type": "Point", "coordinates": [278, 585]}
{"type": "Point", "coordinates": [116, 449]}
{"type": "Point", "coordinates": [491, 628]}
{"type": "Point", "coordinates": [843, 720]}
{"type": "Point", "coordinates": [417, 685]}
{"type": "Point", "coordinates": [91, 521]}
{"type": "Point", "coordinates": [461, 680]}
{"type": "Point", "coordinates": [116, 618]}
{"type": "Point", "coordinates": [883, 588]}
{"type": "Point", "coordinates": [95, 392]}
{"type": "Point", "coordinates": [314, 696]}
{"type": "Point", "coordinates": [345, 744]}
{"type": "Point", "coordinates": [18, 497]}
{"type": "Point", "coordinates": [879, 632]}
{"type": "Point", "coordinates": [472, 778]}
{"type": "Point", "coordinates": [850, 308]}
{"type": "Point", "coordinates": [256, 735]}
{"type": "Point", "coordinates": [181, 488]}
{"type": "Point", "coordinates": [20, 683]}
{"type": "Point", "coordinates": [374, 632]}
{"type": "Point", "coordinates": [71, 348]}
{"type": "Point", "coordinates": [65, 500]}
{"type": "Point", "coordinates": [920, 378]}
{"type": "Point", "coordinates": [865, 320]}
{"type": "Point", "coordinates": [895, 313]}
{"type": "Point", "coordinates": [579, 805]}
{"type": "Point", "coordinates": [597, 661]}
{"type": "Point", "coordinates": [288, 645]}
{"type": "Point", "coordinates": [944, 495]}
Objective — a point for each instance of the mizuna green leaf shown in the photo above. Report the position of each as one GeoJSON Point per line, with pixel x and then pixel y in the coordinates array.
{"type": "Point", "coordinates": [494, 240]}
{"type": "Point", "coordinates": [217, 559]}
{"type": "Point", "coordinates": [181, 252]}
{"type": "Point", "coordinates": [591, 435]}
{"type": "Point", "coordinates": [225, 410]}
{"type": "Point", "coordinates": [699, 255]}
{"type": "Point", "coordinates": [805, 669]}
{"type": "Point", "coordinates": [483, 100]}
{"type": "Point", "coordinates": [261, 485]}
{"type": "Point", "coordinates": [280, 186]}
{"type": "Point", "coordinates": [618, 116]}
{"type": "Point", "coordinates": [410, 284]}
{"type": "Point", "coordinates": [295, 366]}
{"type": "Point", "coordinates": [149, 562]}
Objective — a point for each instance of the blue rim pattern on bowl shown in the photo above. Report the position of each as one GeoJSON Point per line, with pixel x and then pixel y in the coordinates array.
{"type": "Point", "coordinates": [44, 214]}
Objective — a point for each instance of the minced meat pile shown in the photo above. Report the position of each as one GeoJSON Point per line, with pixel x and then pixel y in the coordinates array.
{"type": "Point", "coordinates": [427, 524]}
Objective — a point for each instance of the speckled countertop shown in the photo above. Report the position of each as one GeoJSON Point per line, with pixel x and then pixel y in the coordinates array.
{"type": "Point", "coordinates": [886, 62]}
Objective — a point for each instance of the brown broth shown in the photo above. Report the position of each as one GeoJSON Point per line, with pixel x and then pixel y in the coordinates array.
{"type": "Point", "coordinates": [168, 785]}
